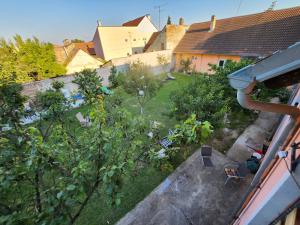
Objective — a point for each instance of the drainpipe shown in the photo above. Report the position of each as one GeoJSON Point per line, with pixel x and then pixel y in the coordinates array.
{"type": "Point", "coordinates": [244, 99]}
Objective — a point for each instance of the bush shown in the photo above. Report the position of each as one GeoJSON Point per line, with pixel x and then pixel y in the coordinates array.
{"type": "Point", "coordinates": [202, 97]}
{"type": "Point", "coordinates": [185, 65]}
{"type": "Point", "coordinates": [139, 81]}
{"type": "Point", "coordinates": [89, 84]}
{"type": "Point", "coordinates": [113, 78]}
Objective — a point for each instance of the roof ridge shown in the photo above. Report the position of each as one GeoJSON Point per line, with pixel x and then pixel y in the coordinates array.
{"type": "Point", "coordinates": [133, 20]}
{"type": "Point", "coordinates": [253, 14]}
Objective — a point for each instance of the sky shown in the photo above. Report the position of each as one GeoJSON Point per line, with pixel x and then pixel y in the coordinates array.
{"type": "Point", "coordinates": [55, 20]}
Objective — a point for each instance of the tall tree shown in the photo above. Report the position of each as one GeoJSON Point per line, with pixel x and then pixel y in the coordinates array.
{"type": "Point", "coordinates": [28, 60]}
{"type": "Point", "coordinates": [49, 177]}
{"type": "Point", "coordinates": [169, 22]}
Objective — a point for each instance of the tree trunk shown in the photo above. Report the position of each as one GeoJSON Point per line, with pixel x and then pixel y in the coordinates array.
{"type": "Point", "coordinates": [38, 204]}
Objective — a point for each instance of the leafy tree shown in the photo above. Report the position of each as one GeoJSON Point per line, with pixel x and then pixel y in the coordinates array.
{"type": "Point", "coordinates": [219, 75]}
{"type": "Point", "coordinates": [181, 21]}
{"type": "Point", "coordinates": [51, 103]}
{"type": "Point", "coordinates": [169, 22]}
{"type": "Point", "coordinates": [50, 178]}
{"type": "Point", "coordinates": [89, 84]}
{"type": "Point", "coordinates": [140, 82]}
{"type": "Point", "coordinates": [186, 65]}
{"type": "Point", "coordinates": [202, 97]}
{"type": "Point", "coordinates": [11, 104]}
{"type": "Point", "coordinates": [113, 77]}
{"type": "Point", "coordinates": [76, 40]}
{"type": "Point", "coordinates": [27, 60]}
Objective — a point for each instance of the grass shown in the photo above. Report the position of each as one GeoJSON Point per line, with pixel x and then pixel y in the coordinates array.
{"type": "Point", "coordinates": [159, 107]}
{"type": "Point", "coordinates": [100, 212]}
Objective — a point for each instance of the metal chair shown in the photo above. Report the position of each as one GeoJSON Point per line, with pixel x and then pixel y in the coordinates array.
{"type": "Point", "coordinates": [206, 152]}
{"type": "Point", "coordinates": [235, 171]}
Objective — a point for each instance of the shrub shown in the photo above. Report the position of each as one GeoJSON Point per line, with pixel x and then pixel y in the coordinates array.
{"type": "Point", "coordinates": [89, 84]}
{"type": "Point", "coordinates": [139, 81]}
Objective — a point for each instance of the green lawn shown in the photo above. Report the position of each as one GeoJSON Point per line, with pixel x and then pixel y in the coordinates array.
{"type": "Point", "coordinates": [158, 107]}
{"type": "Point", "coordinates": [99, 211]}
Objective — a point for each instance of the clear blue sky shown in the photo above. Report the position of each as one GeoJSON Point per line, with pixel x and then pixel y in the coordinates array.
{"type": "Point", "coordinates": [54, 20]}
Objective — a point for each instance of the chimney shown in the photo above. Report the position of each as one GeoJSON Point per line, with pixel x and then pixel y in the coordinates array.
{"type": "Point", "coordinates": [212, 23]}
{"type": "Point", "coordinates": [99, 23]}
{"type": "Point", "coordinates": [181, 21]}
{"type": "Point", "coordinates": [149, 17]}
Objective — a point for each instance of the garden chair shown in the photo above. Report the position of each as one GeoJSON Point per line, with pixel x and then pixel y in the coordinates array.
{"type": "Point", "coordinates": [85, 122]}
{"type": "Point", "coordinates": [166, 142]}
{"type": "Point", "coordinates": [206, 152]}
{"type": "Point", "coordinates": [170, 77]}
{"type": "Point", "coordinates": [235, 171]}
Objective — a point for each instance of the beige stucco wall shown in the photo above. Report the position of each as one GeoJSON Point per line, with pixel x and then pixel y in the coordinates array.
{"type": "Point", "coordinates": [81, 61]}
{"type": "Point", "coordinates": [168, 38]}
{"type": "Point", "coordinates": [200, 62]}
{"type": "Point", "coordinates": [149, 58]}
{"type": "Point", "coordinates": [146, 26]}
{"type": "Point", "coordinates": [122, 41]}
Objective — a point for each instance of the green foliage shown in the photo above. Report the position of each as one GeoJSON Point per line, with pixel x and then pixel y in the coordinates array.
{"type": "Point", "coordinates": [202, 97]}
{"type": "Point", "coordinates": [57, 85]}
{"type": "Point", "coordinates": [28, 60]}
{"type": "Point", "coordinates": [52, 102]}
{"type": "Point", "coordinates": [186, 65]}
{"type": "Point", "coordinates": [76, 40]}
{"type": "Point", "coordinates": [49, 172]}
{"type": "Point", "coordinates": [220, 76]}
{"type": "Point", "coordinates": [191, 131]}
{"type": "Point", "coordinates": [11, 104]}
{"type": "Point", "coordinates": [89, 84]}
{"type": "Point", "coordinates": [210, 97]}
{"type": "Point", "coordinates": [140, 82]}
{"type": "Point", "coordinates": [113, 77]}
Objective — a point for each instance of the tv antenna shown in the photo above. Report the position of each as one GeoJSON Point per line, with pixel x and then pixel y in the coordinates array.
{"type": "Point", "coordinates": [272, 6]}
{"type": "Point", "coordinates": [239, 7]}
{"type": "Point", "coordinates": [159, 8]}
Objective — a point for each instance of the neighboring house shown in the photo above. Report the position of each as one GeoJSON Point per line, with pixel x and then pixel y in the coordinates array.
{"type": "Point", "coordinates": [251, 36]}
{"type": "Point", "coordinates": [122, 41]}
{"type": "Point", "coordinates": [273, 198]}
{"type": "Point", "coordinates": [167, 39]}
{"type": "Point", "coordinates": [77, 56]}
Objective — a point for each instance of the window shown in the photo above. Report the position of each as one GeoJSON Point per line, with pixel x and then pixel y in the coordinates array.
{"type": "Point", "coordinates": [134, 39]}
{"type": "Point", "coordinates": [222, 63]}
{"type": "Point", "coordinates": [126, 40]}
{"type": "Point", "coordinates": [194, 57]}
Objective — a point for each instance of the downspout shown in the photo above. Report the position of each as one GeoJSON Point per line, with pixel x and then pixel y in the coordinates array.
{"type": "Point", "coordinates": [244, 99]}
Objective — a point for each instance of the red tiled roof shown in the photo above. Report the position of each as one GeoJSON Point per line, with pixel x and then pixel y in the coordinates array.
{"type": "Point", "coordinates": [133, 23]}
{"type": "Point", "coordinates": [151, 40]}
{"type": "Point", "coordinates": [64, 54]}
{"type": "Point", "coordinates": [252, 35]}
{"type": "Point", "coordinates": [87, 47]}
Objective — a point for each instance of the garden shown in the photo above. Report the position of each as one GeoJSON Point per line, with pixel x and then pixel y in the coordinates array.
{"type": "Point", "coordinates": [59, 170]}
